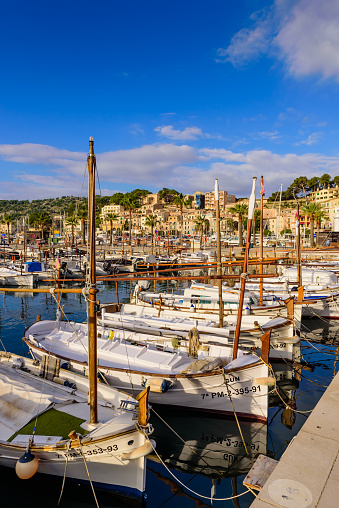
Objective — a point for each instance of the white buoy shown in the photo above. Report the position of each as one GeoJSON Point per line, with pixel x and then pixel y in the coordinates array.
{"type": "Point", "coordinates": [27, 466]}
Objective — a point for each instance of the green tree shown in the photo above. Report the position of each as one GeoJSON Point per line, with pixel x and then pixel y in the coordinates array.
{"type": "Point", "coordinates": [239, 209]}
{"type": "Point", "coordinates": [181, 202]}
{"type": "Point", "coordinates": [314, 183]}
{"type": "Point", "coordinates": [82, 215]}
{"type": "Point", "coordinates": [325, 180]}
{"type": "Point", "coordinates": [311, 210]}
{"type": "Point", "coordinates": [167, 195]}
{"type": "Point", "coordinates": [72, 221]}
{"type": "Point", "coordinates": [201, 224]}
{"type": "Point", "coordinates": [299, 185]}
{"type": "Point", "coordinates": [319, 216]}
{"type": "Point", "coordinates": [151, 221]}
{"type": "Point", "coordinates": [130, 203]}
{"type": "Point", "coordinates": [7, 219]}
{"type": "Point", "coordinates": [44, 220]}
{"type": "Point", "coordinates": [116, 198]}
{"type": "Point", "coordinates": [111, 217]}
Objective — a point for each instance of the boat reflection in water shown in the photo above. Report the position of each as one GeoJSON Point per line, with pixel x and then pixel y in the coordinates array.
{"type": "Point", "coordinates": [207, 445]}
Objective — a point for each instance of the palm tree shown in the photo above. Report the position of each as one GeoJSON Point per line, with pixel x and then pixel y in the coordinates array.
{"type": "Point", "coordinates": [130, 203]}
{"type": "Point", "coordinates": [180, 201]}
{"type": "Point", "coordinates": [240, 209]}
{"type": "Point", "coordinates": [319, 216]}
{"type": "Point", "coordinates": [151, 222]}
{"type": "Point", "coordinates": [82, 215]}
{"type": "Point", "coordinates": [72, 221]}
{"type": "Point", "coordinates": [312, 210]}
{"type": "Point", "coordinates": [201, 223]}
{"type": "Point", "coordinates": [112, 217]}
{"type": "Point", "coordinates": [7, 219]}
{"type": "Point", "coordinates": [43, 220]}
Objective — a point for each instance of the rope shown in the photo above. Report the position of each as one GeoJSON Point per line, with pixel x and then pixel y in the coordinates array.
{"type": "Point", "coordinates": [90, 481]}
{"type": "Point", "coordinates": [234, 412]}
{"type": "Point", "coordinates": [183, 441]}
{"type": "Point", "coordinates": [64, 478]}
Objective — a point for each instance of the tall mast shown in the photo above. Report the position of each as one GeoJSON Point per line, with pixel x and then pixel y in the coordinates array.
{"type": "Point", "coordinates": [219, 268]}
{"type": "Point", "coordinates": [298, 247]}
{"type": "Point", "coordinates": [92, 332]}
{"type": "Point", "coordinates": [277, 232]}
{"type": "Point", "coordinates": [261, 266]}
{"type": "Point", "coordinates": [251, 206]}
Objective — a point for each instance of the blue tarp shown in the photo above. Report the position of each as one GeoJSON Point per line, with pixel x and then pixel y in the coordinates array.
{"type": "Point", "coordinates": [33, 266]}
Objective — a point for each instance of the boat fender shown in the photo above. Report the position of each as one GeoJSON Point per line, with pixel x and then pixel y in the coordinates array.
{"type": "Point", "coordinates": [66, 366]}
{"type": "Point", "coordinates": [265, 381]}
{"type": "Point", "coordinates": [141, 451]}
{"type": "Point", "coordinates": [18, 363]}
{"type": "Point", "coordinates": [64, 382]}
{"type": "Point", "coordinates": [247, 310]}
{"type": "Point", "coordinates": [26, 466]}
{"type": "Point", "coordinates": [158, 385]}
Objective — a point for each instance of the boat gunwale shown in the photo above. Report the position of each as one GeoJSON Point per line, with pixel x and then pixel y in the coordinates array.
{"type": "Point", "coordinates": [132, 371]}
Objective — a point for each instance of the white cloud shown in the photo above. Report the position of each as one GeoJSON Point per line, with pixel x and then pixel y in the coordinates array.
{"type": "Point", "coordinates": [272, 135]}
{"type": "Point", "coordinates": [309, 40]}
{"type": "Point", "coordinates": [154, 167]}
{"type": "Point", "coordinates": [249, 44]}
{"type": "Point", "coordinates": [303, 33]}
{"type": "Point", "coordinates": [189, 133]}
{"type": "Point", "coordinates": [312, 139]}
{"type": "Point", "coordinates": [136, 129]}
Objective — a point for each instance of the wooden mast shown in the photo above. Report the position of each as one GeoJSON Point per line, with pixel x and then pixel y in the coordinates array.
{"type": "Point", "coordinates": [251, 206]}
{"type": "Point", "coordinates": [261, 267]}
{"type": "Point", "coordinates": [92, 325]}
{"type": "Point", "coordinates": [219, 267]}
{"type": "Point", "coordinates": [298, 247]}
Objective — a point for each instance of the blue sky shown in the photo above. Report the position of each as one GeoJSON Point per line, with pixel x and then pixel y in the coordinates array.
{"type": "Point", "coordinates": [174, 93]}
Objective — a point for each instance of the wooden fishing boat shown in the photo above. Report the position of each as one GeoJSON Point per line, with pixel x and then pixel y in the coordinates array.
{"type": "Point", "coordinates": [166, 323]}
{"type": "Point", "coordinates": [206, 383]}
{"type": "Point", "coordinates": [41, 405]}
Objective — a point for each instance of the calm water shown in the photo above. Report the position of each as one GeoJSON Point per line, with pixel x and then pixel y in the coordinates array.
{"type": "Point", "coordinates": [213, 459]}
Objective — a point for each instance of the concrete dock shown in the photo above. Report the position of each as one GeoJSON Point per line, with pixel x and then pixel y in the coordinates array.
{"type": "Point", "coordinates": [307, 475]}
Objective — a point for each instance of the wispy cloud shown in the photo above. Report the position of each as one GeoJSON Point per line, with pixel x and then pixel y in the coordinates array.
{"type": "Point", "coordinates": [136, 129]}
{"type": "Point", "coordinates": [189, 133]}
{"type": "Point", "coordinates": [272, 135]}
{"type": "Point", "coordinates": [302, 33]}
{"type": "Point", "coordinates": [249, 44]}
{"type": "Point", "coordinates": [312, 139]}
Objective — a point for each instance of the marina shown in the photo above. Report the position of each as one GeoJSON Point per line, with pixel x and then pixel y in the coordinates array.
{"type": "Point", "coordinates": [169, 254]}
{"type": "Point", "coordinates": [217, 457]}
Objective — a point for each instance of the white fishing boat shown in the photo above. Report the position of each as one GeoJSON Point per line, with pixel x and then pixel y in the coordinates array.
{"type": "Point", "coordinates": [167, 323]}
{"type": "Point", "coordinates": [10, 277]}
{"type": "Point", "coordinates": [204, 383]}
{"type": "Point", "coordinates": [41, 270]}
{"type": "Point", "coordinates": [40, 406]}
{"type": "Point", "coordinates": [204, 297]}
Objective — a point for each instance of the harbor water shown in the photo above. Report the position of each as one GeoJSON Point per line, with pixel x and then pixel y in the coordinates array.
{"type": "Point", "coordinates": [203, 458]}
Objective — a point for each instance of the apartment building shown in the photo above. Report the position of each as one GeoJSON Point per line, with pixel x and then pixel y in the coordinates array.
{"type": "Point", "coordinates": [224, 200]}
{"type": "Point", "coordinates": [325, 194]}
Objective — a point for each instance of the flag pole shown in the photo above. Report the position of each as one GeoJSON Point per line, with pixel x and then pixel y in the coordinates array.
{"type": "Point", "coordinates": [261, 267]}
{"type": "Point", "coordinates": [219, 266]}
{"type": "Point", "coordinates": [251, 206]}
